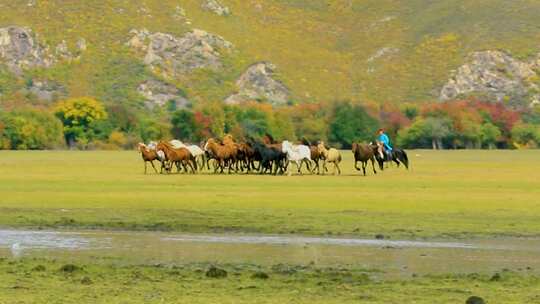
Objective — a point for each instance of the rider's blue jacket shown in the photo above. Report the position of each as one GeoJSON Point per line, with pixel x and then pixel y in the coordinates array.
{"type": "Point", "coordinates": [386, 141]}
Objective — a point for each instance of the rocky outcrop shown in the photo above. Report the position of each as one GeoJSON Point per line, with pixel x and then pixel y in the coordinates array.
{"type": "Point", "coordinates": [495, 74]}
{"type": "Point", "coordinates": [46, 90]}
{"type": "Point", "coordinates": [257, 84]}
{"type": "Point", "coordinates": [20, 49]}
{"type": "Point", "coordinates": [174, 56]}
{"type": "Point", "coordinates": [216, 7]}
{"type": "Point", "coordinates": [158, 93]}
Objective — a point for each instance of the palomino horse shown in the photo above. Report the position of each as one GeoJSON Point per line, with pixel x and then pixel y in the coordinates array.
{"type": "Point", "coordinates": [363, 153]}
{"type": "Point", "coordinates": [399, 156]}
{"type": "Point", "coordinates": [180, 156]}
{"type": "Point", "coordinates": [297, 154]}
{"type": "Point", "coordinates": [330, 156]}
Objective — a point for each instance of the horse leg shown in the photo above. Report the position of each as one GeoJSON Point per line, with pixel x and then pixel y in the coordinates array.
{"type": "Point", "coordinates": [356, 165]}
{"type": "Point", "coordinates": [152, 163]}
{"type": "Point", "coordinates": [194, 161]}
{"type": "Point", "coordinates": [192, 165]}
{"type": "Point", "coordinates": [183, 164]}
{"type": "Point", "coordinates": [308, 165]}
{"type": "Point", "coordinates": [338, 169]}
{"type": "Point", "coordinates": [364, 164]}
{"type": "Point", "coordinates": [145, 164]}
{"type": "Point", "coordinates": [373, 166]}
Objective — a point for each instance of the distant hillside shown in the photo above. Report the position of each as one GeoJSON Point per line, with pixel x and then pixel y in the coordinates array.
{"type": "Point", "coordinates": [282, 51]}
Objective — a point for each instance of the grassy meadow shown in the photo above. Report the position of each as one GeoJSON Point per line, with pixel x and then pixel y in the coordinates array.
{"type": "Point", "coordinates": [40, 281]}
{"type": "Point", "coordinates": [449, 194]}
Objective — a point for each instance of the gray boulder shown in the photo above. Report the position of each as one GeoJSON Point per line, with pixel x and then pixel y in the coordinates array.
{"type": "Point", "coordinates": [257, 83]}
{"type": "Point", "coordinates": [494, 74]}
{"type": "Point", "coordinates": [20, 49]}
{"type": "Point", "coordinates": [216, 7]}
{"type": "Point", "coordinates": [46, 90]}
{"type": "Point", "coordinates": [158, 93]}
{"type": "Point", "coordinates": [175, 56]}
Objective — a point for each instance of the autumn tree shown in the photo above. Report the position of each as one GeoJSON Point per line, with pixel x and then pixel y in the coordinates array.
{"type": "Point", "coordinates": [78, 116]}
{"type": "Point", "coordinates": [29, 129]}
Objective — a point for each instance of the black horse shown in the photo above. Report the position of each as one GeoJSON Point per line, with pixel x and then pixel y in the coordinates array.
{"type": "Point", "coordinates": [269, 158]}
{"type": "Point", "coordinates": [398, 156]}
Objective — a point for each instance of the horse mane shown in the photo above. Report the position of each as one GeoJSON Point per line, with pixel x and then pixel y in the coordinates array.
{"type": "Point", "coordinates": [270, 138]}
{"type": "Point", "coordinates": [306, 142]}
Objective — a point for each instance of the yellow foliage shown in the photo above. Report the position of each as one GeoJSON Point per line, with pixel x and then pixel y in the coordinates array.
{"type": "Point", "coordinates": [80, 111]}
{"type": "Point", "coordinates": [118, 138]}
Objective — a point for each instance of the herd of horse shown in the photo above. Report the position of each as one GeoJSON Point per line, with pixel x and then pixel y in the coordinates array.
{"type": "Point", "coordinates": [265, 156]}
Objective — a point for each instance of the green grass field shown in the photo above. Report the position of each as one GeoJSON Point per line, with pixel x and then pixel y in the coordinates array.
{"type": "Point", "coordinates": [445, 195]}
{"type": "Point", "coordinates": [39, 281]}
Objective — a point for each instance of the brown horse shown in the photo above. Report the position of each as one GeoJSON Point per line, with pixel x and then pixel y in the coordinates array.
{"type": "Point", "coordinates": [316, 156]}
{"type": "Point", "coordinates": [235, 151]}
{"type": "Point", "coordinates": [270, 142]}
{"type": "Point", "coordinates": [222, 153]}
{"type": "Point", "coordinates": [180, 156]}
{"type": "Point", "coordinates": [246, 156]}
{"type": "Point", "coordinates": [363, 153]}
{"type": "Point", "coordinates": [148, 156]}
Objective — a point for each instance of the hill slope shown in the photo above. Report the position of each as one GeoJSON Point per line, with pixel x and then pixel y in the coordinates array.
{"type": "Point", "coordinates": [384, 50]}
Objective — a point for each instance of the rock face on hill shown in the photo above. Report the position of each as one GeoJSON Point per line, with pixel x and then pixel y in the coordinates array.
{"type": "Point", "coordinates": [46, 90]}
{"type": "Point", "coordinates": [158, 93]}
{"type": "Point", "coordinates": [495, 74]}
{"type": "Point", "coordinates": [257, 83]}
{"type": "Point", "coordinates": [216, 7]}
{"type": "Point", "coordinates": [174, 56]}
{"type": "Point", "coordinates": [20, 49]}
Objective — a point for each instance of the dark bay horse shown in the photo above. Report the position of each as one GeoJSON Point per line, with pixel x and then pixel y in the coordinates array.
{"type": "Point", "coordinates": [363, 153]}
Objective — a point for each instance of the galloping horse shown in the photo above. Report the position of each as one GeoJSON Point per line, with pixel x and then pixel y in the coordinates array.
{"type": "Point", "coordinates": [148, 155]}
{"type": "Point", "coordinates": [180, 156]}
{"type": "Point", "coordinates": [330, 156]}
{"type": "Point", "coordinates": [399, 156]}
{"type": "Point", "coordinates": [195, 150]}
{"type": "Point", "coordinates": [228, 141]}
{"type": "Point", "coordinates": [363, 153]}
{"type": "Point", "coordinates": [316, 155]}
{"type": "Point", "coordinates": [221, 153]}
{"type": "Point", "coordinates": [298, 154]}
{"type": "Point", "coordinates": [268, 157]}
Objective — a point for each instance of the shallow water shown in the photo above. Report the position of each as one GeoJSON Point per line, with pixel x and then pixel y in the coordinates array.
{"type": "Point", "coordinates": [395, 258]}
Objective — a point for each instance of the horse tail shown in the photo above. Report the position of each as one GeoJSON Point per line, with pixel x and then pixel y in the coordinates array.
{"type": "Point", "coordinates": [405, 159]}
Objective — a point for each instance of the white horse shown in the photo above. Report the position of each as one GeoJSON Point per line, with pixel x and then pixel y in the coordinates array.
{"type": "Point", "coordinates": [195, 150]}
{"type": "Point", "coordinates": [297, 154]}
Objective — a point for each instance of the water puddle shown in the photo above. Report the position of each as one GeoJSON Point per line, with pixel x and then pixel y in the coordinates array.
{"type": "Point", "coordinates": [395, 258]}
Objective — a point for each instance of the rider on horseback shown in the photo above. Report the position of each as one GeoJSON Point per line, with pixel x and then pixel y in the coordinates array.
{"type": "Point", "coordinates": [384, 140]}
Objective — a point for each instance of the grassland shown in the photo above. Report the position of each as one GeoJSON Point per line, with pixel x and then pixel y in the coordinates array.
{"type": "Point", "coordinates": [42, 281]}
{"type": "Point", "coordinates": [445, 194]}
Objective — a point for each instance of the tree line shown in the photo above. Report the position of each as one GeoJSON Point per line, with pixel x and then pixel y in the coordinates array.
{"type": "Point", "coordinates": [86, 123]}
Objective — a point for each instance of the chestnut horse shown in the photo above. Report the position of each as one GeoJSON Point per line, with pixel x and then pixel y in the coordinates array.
{"type": "Point", "coordinates": [363, 153]}
{"type": "Point", "coordinates": [148, 156]}
{"type": "Point", "coordinates": [180, 156]}
{"type": "Point", "coordinates": [223, 154]}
